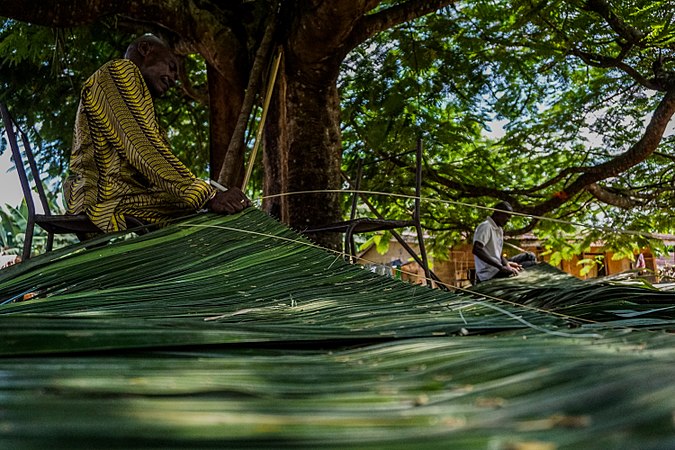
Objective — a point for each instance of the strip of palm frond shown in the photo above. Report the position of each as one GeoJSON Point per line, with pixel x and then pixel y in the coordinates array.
{"type": "Point", "coordinates": [467, 392]}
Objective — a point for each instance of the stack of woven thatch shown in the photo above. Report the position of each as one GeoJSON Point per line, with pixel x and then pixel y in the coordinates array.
{"type": "Point", "coordinates": [234, 331]}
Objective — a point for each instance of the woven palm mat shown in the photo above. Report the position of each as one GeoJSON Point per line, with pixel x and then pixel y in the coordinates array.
{"type": "Point", "coordinates": [236, 331]}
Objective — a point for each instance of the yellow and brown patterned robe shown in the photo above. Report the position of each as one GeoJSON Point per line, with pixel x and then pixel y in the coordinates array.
{"type": "Point", "coordinates": [121, 163]}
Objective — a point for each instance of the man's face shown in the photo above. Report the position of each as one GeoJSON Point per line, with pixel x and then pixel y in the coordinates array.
{"type": "Point", "coordinates": [501, 218]}
{"type": "Point", "coordinates": [502, 214]}
{"type": "Point", "coordinates": [160, 70]}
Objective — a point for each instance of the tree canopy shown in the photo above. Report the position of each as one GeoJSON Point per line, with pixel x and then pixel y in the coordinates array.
{"type": "Point", "coordinates": [558, 107]}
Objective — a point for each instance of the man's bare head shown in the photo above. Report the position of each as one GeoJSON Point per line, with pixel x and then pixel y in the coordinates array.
{"type": "Point", "coordinates": [502, 213]}
{"type": "Point", "coordinates": [156, 62]}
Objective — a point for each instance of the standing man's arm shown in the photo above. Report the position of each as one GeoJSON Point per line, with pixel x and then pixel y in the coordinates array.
{"type": "Point", "coordinates": [500, 263]}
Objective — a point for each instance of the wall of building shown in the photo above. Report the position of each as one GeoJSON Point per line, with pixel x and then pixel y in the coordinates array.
{"type": "Point", "coordinates": [610, 266]}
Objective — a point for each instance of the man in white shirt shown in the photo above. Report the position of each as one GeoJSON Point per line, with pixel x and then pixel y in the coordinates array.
{"type": "Point", "coordinates": [488, 241]}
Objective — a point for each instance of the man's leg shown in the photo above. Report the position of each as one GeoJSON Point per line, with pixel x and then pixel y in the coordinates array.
{"type": "Point", "coordinates": [149, 211]}
{"type": "Point", "coordinates": [501, 275]}
{"type": "Point", "coordinates": [526, 259]}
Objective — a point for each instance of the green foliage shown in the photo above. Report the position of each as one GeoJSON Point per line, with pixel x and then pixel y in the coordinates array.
{"type": "Point", "coordinates": [187, 120]}
{"type": "Point", "coordinates": [496, 89]}
{"type": "Point", "coordinates": [13, 229]}
{"type": "Point", "coordinates": [53, 63]}
{"type": "Point", "coordinates": [589, 264]}
{"type": "Point", "coordinates": [503, 106]}
{"type": "Point", "coordinates": [12, 224]}
{"type": "Point", "coordinates": [380, 241]}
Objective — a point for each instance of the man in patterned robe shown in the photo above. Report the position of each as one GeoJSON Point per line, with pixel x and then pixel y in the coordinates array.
{"type": "Point", "coordinates": [121, 165]}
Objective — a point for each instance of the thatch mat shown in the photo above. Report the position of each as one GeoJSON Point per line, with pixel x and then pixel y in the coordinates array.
{"type": "Point", "coordinates": [235, 331]}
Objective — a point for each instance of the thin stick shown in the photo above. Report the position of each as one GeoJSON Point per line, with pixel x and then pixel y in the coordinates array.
{"type": "Point", "coordinates": [522, 250]}
{"type": "Point", "coordinates": [261, 126]}
{"type": "Point", "coordinates": [227, 171]}
{"type": "Point", "coordinates": [217, 185]}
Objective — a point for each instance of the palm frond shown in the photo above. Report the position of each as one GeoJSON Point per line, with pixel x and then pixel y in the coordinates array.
{"type": "Point", "coordinates": [235, 331]}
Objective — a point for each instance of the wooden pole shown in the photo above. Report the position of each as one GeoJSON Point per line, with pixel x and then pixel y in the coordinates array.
{"type": "Point", "coordinates": [263, 117]}
{"type": "Point", "coordinates": [417, 218]}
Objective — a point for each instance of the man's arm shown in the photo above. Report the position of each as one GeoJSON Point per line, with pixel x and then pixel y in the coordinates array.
{"type": "Point", "coordinates": [500, 263]}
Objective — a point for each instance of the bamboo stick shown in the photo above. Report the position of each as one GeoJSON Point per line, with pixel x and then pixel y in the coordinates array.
{"type": "Point", "coordinates": [261, 126]}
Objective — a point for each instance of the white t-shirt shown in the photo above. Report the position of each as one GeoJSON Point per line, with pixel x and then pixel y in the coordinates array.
{"type": "Point", "coordinates": [491, 236]}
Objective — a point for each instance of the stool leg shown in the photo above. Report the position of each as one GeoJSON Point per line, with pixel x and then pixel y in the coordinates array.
{"type": "Point", "coordinates": [27, 241]}
{"type": "Point", "coordinates": [50, 241]}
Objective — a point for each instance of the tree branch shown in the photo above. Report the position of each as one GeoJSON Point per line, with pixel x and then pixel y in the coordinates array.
{"type": "Point", "coordinates": [637, 153]}
{"type": "Point", "coordinates": [587, 176]}
{"type": "Point", "coordinates": [596, 60]}
{"type": "Point", "coordinates": [605, 196]}
{"type": "Point", "coordinates": [370, 25]}
{"type": "Point", "coordinates": [227, 173]}
{"type": "Point", "coordinates": [602, 8]}
{"type": "Point", "coordinates": [84, 12]}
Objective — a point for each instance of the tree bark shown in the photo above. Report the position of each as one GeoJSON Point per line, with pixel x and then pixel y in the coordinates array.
{"type": "Point", "coordinates": [275, 148]}
{"type": "Point", "coordinates": [610, 198]}
{"type": "Point", "coordinates": [303, 153]}
{"type": "Point", "coordinates": [231, 168]}
{"type": "Point", "coordinates": [223, 118]}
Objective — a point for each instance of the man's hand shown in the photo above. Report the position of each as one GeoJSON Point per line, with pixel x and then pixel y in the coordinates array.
{"type": "Point", "coordinates": [231, 201]}
{"type": "Point", "coordinates": [511, 268]}
{"type": "Point", "coordinates": [514, 265]}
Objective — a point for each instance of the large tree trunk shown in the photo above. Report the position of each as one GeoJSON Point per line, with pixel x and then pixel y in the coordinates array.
{"type": "Point", "coordinates": [314, 156]}
{"type": "Point", "coordinates": [303, 145]}
{"type": "Point", "coordinates": [224, 104]}
{"type": "Point", "coordinates": [303, 153]}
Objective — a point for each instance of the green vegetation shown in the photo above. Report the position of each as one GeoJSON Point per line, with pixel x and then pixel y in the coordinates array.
{"type": "Point", "coordinates": [13, 227]}
{"type": "Point", "coordinates": [519, 101]}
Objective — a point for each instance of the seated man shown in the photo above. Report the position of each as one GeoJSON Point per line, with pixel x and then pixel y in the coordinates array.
{"type": "Point", "coordinates": [121, 166]}
{"type": "Point", "coordinates": [488, 241]}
